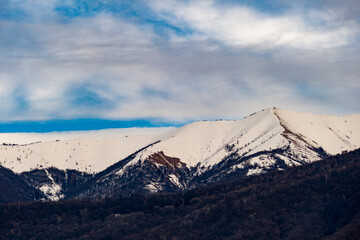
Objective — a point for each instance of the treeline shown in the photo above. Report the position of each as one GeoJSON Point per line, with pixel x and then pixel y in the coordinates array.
{"type": "Point", "coordinates": [316, 201]}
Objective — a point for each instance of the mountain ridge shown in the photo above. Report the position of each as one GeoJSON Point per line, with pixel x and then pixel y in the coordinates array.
{"type": "Point", "coordinates": [195, 155]}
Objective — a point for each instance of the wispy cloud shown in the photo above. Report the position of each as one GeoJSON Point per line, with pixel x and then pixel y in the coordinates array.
{"type": "Point", "coordinates": [242, 26]}
{"type": "Point", "coordinates": [178, 61]}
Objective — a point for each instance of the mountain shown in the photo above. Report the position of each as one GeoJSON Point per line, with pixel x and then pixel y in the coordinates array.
{"type": "Point", "coordinates": [203, 153]}
{"type": "Point", "coordinates": [320, 200]}
{"type": "Point", "coordinates": [195, 155]}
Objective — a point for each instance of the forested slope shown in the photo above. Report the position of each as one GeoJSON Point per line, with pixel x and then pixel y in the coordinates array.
{"type": "Point", "coordinates": [320, 200]}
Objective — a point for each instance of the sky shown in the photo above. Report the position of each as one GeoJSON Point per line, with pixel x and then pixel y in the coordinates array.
{"type": "Point", "coordinates": [105, 63]}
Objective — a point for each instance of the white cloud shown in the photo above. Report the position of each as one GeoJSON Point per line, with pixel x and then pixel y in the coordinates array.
{"type": "Point", "coordinates": [242, 26]}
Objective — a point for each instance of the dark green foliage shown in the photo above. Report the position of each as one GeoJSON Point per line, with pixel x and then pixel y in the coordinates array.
{"type": "Point", "coordinates": [316, 201]}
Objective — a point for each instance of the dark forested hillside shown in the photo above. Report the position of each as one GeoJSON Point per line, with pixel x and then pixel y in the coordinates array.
{"type": "Point", "coordinates": [316, 201]}
{"type": "Point", "coordinates": [13, 188]}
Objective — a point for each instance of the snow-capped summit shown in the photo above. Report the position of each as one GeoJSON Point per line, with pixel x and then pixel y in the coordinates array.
{"type": "Point", "coordinates": [304, 136]}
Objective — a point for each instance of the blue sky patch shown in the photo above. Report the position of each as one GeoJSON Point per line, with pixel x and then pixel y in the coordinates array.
{"type": "Point", "coordinates": [133, 11]}
{"type": "Point", "coordinates": [79, 125]}
{"type": "Point", "coordinates": [85, 97]}
{"type": "Point", "coordinates": [271, 7]}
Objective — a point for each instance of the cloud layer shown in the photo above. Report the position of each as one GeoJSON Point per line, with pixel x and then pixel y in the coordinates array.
{"type": "Point", "coordinates": [177, 61]}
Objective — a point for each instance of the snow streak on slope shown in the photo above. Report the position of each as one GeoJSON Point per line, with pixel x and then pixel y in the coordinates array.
{"type": "Point", "coordinates": [53, 190]}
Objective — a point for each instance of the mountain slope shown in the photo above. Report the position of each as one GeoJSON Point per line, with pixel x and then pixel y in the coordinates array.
{"type": "Point", "coordinates": [333, 134]}
{"type": "Point", "coordinates": [81, 154]}
{"type": "Point", "coordinates": [54, 183]}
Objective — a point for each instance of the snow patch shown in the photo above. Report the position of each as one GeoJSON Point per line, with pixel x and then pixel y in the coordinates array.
{"type": "Point", "coordinates": [175, 180]}
{"type": "Point", "coordinates": [52, 191]}
{"type": "Point", "coordinates": [153, 187]}
{"type": "Point", "coordinates": [254, 171]}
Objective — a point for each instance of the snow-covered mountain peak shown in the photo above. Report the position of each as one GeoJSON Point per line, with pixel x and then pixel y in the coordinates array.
{"type": "Point", "coordinates": [300, 137]}
{"type": "Point", "coordinates": [207, 142]}
{"type": "Point", "coordinates": [332, 133]}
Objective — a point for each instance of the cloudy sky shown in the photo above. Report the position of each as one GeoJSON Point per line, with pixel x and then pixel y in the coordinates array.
{"type": "Point", "coordinates": [170, 62]}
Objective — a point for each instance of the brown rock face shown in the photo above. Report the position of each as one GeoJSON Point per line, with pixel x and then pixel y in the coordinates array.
{"type": "Point", "coordinates": [170, 162]}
